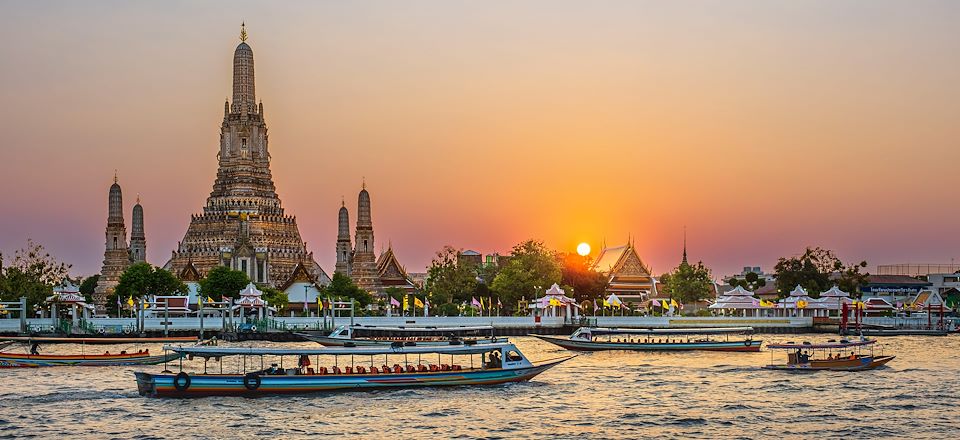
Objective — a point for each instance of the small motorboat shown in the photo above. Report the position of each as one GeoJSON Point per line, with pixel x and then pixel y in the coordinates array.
{"type": "Point", "coordinates": [658, 339]}
{"type": "Point", "coordinates": [844, 355]}
{"type": "Point", "coordinates": [351, 369]}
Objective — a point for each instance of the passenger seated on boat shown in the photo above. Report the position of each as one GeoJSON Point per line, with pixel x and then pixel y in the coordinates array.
{"type": "Point", "coordinates": [311, 372]}
{"type": "Point", "coordinates": [397, 368]}
{"type": "Point", "coordinates": [123, 351]}
{"type": "Point", "coordinates": [361, 370]}
{"type": "Point", "coordinates": [385, 369]}
{"type": "Point", "coordinates": [374, 370]}
{"type": "Point", "coordinates": [411, 369]}
{"type": "Point", "coordinates": [456, 367]}
{"type": "Point", "coordinates": [322, 371]}
{"type": "Point", "coordinates": [444, 367]}
{"type": "Point", "coordinates": [421, 368]}
{"type": "Point", "coordinates": [337, 370]}
{"type": "Point", "coordinates": [348, 370]}
{"type": "Point", "coordinates": [434, 368]}
{"type": "Point", "coordinates": [852, 356]}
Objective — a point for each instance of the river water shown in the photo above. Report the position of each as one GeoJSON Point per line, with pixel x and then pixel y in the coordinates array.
{"type": "Point", "coordinates": [596, 395]}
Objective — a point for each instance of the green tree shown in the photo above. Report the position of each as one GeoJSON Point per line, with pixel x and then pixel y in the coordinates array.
{"type": "Point", "coordinates": [33, 273]}
{"type": "Point", "coordinates": [532, 268]}
{"type": "Point", "coordinates": [142, 279]}
{"type": "Point", "coordinates": [342, 286]}
{"type": "Point", "coordinates": [688, 283]}
{"type": "Point", "coordinates": [448, 281]}
{"type": "Point", "coordinates": [88, 286]}
{"type": "Point", "coordinates": [817, 270]}
{"type": "Point", "coordinates": [223, 282]}
{"type": "Point", "coordinates": [579, 275]}
{"type": "Point", "coordinates": [274, 297]}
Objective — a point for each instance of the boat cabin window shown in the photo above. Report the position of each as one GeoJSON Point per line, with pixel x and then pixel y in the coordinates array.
{"type": "Point", "coordinates": [514, 356]}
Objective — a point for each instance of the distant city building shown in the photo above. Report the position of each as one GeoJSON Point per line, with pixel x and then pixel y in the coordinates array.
{"type": "Point", "coordinates": [629, 278]}
{"type": "Point", "coordinates": [944, 282]}
{"type": "Point", "coordinates": [893, 288]}
{"type": "Point", "coordinates": [243, 224]}
{"type": "Point", "coordinates": [470, 258]}
{"type": "Point", "coordinates": [917, 270]}
{"type": "Point", "coordinates": [767, 277]}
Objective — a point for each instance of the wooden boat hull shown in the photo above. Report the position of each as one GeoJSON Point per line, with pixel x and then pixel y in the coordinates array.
{"type": "Point", "coordinates": [859, 364]}
{"type": "Point", "coordinates": [15, 360]}
{"type": "Point", "coordinates": [104, 340]}
{"type": "Point", "coordinates": [162, 385]}
{"type": "Point", "coordinates": [360, 342]}
{"type": "Point", "coordinates": [570, 344]}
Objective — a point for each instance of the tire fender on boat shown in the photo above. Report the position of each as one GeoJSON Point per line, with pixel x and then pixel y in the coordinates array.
{"type": "Point", "coordinates": [181, 381]}
{"type": "Point", "coordinates": [251, 381]}
{"type": "Point", "coordinates": [747, 342]}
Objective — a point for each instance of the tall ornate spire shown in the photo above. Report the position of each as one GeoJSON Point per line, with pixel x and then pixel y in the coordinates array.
{"type": "Point", "coordinates": [343, 240]}
{"type": "Point", "coordinates": [244, 96]}
{"type": "Point", "coordinates": [243, 32]}
{"type": "Point", "coordinates": [115, 255]}
{"type": "Point", "coordinates": [363, 268]}
{"type": "Point", "coordinates": [138, 240]}
{"type": "Point", "coordinates": [684, 261]}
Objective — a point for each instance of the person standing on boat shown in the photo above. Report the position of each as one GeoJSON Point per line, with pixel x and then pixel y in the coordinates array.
{"type": "Point", "coordinates": [35, 349]}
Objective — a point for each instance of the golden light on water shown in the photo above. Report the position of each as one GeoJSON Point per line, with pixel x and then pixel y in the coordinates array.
{"type": "Point", "coordinates": [583, 249]}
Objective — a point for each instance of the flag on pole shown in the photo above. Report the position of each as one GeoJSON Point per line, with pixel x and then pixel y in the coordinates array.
{"type": "Point", "coordinates": [595, 305]}
{"type": "Point", "coordinates": [475, 303]}
{"type": "Point", "coordinates": [417, 302]}
{"type": "Point", "coordinates": [406, 303]}
{"type": "Point", "coordinates": [130, 301]}
{"type": "Point", "coordinates": [663, 303]}
{"type": "Point", "coordinates": [394, 302]}
{"type": "Point", "coordinates": [673, 303]}
{"type": "Point", "coordinates": [606, 303]}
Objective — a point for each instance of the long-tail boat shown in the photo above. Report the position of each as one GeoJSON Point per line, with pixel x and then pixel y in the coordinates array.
{"type": "Point", "coordinates": [351, 368]}
{"type": "Point", "coordinates": [86, 358]}
{"type": "Point", "coordinates": [345, 336]}
{"type": "Point", "coordinates": [657, 339]}
{"type": "Point", "coordinates": [844, 355]}
{"type": "Point", "coordinates": [143, 357]}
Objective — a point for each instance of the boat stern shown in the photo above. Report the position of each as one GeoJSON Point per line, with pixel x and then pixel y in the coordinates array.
{"type": "Point", "coordinates": [146, 384]}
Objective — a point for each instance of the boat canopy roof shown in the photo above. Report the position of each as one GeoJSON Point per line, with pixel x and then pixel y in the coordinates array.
{"type": "Point", "coordinates": [208, 352]}
{"type": "Point", "coordinates": [425, 328]}
{"type": "Point", "coordinates": [665, 331]}
{"type": "Point", "coordinates": [104, 340]}
{"type": "Point", "coordinates": [805, 345]}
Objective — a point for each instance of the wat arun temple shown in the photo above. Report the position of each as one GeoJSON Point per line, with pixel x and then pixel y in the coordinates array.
{"type": "Point", "coordinates": [243, 225]}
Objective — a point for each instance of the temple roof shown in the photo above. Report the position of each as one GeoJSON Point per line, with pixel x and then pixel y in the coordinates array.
{"type": "Point", "coordinates": [621, 261]}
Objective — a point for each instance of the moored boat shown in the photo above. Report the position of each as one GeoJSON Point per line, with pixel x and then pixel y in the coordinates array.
{"type": "Point", "coordinates": [345, 336]}
{"type": "Point", "coordinates": [657, 339]}
{"type": "Point", "coordinates": [844, 355]}
{"type": "Point", "coordinates": [17, 360]}
{"type": "Point", "coordinates": [353, 368]}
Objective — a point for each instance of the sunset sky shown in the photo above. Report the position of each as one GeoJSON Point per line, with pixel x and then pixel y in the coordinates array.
{"type": "Point", "coordinates": [763, 126]}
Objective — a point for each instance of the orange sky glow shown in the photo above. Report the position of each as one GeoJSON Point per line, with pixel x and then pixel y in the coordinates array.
{"type": "Point", "coordinates": [761, 126]}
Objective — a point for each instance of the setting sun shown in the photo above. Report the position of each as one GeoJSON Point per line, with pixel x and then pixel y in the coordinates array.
{"type": "Point", "coordinates": [583, 249]}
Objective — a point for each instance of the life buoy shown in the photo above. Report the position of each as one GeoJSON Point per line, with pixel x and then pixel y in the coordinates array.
{"type": "Point", "coordinates": [747, 342]}
{"type": "Point", "coordinates": [126, 331]}
{"type": "Point", "coordinates": [253, 328]}
{"type": "Point", "coordinates": [251, 381]}
{"type": "Point", "coordinates": [101, 331]}
{"type": "Point", "coordinates": [181, 381]}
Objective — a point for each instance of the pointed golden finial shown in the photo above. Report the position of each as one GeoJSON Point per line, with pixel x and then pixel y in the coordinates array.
{"type": "Point", "coordinates": [363, 185]}
{"type": "Point", "coordinates": [138, 198]}
{"type": "Point", "coordinates": [343, 202]}
{"type": "Point", "coordinates": [114, 175]}
{"type": "Point", "coordinates": [243, 31]}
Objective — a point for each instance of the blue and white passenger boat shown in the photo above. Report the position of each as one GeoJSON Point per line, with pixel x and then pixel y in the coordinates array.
{"type": "Point", "coordinates": [351, 368]}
